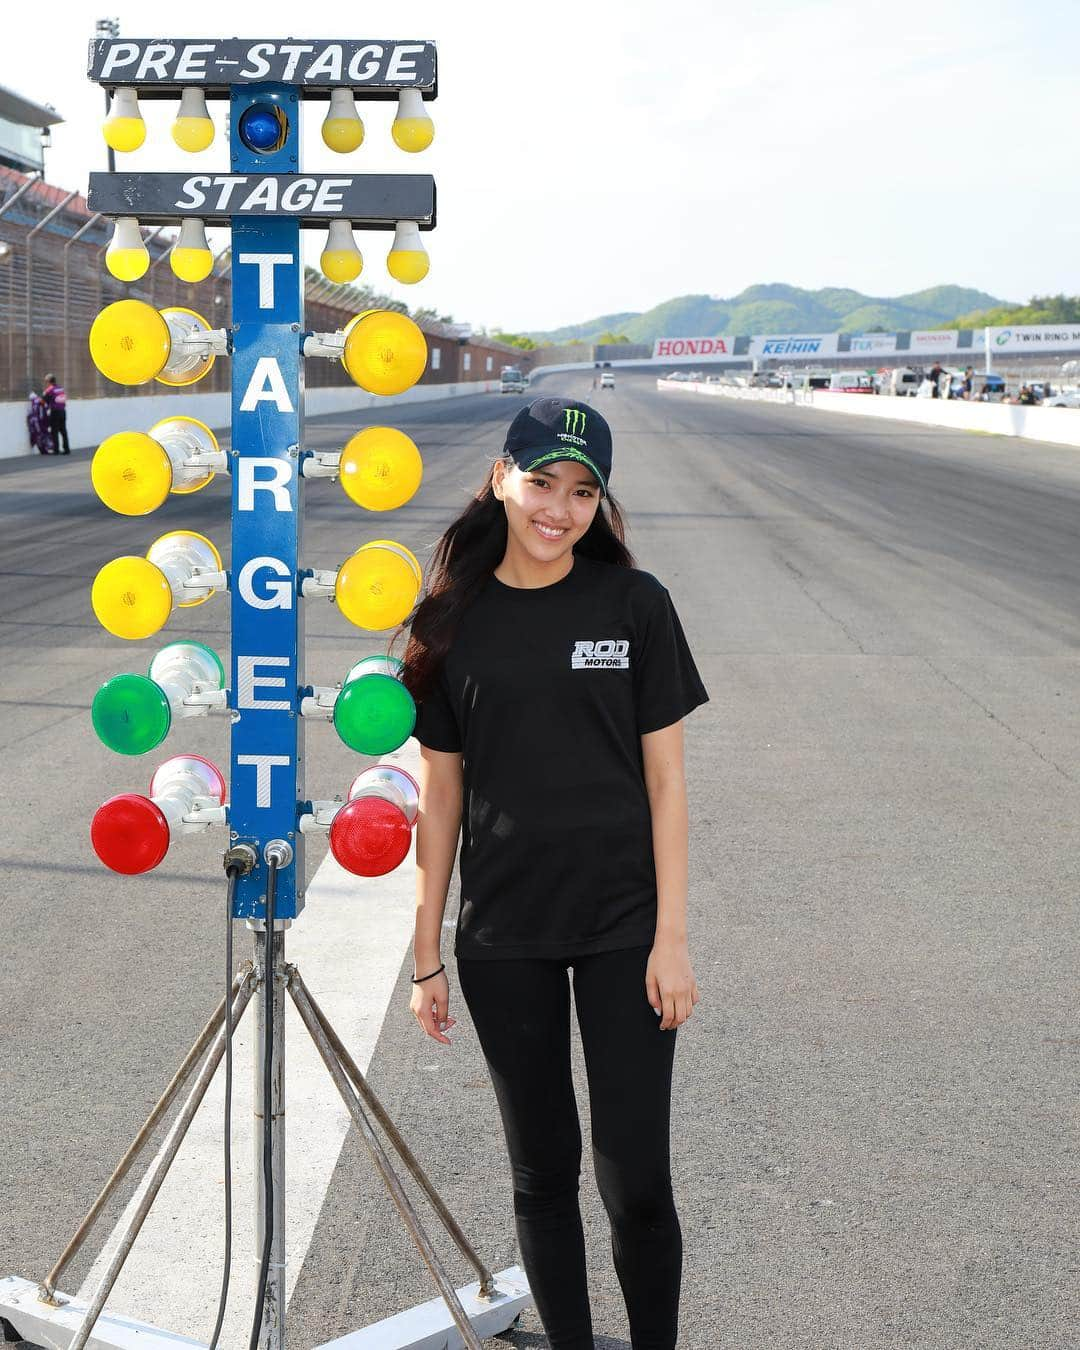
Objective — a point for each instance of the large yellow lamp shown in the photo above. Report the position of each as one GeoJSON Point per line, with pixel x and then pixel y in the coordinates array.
{"type": "Point", "coordinates": [377, 587]}
{"type": "Point", "coordinates": [380, 468]}
{"type": "Point", "coordinates": [129, 342]}
{"type": "Point", "coordinates": [385, 352]}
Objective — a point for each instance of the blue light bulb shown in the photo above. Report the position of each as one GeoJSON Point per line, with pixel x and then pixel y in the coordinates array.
{"type": "Point", "coordinates": [261, 128]}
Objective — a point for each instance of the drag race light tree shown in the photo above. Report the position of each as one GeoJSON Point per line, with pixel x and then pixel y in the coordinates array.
{"type": "Point", "coordinates": [264, 200]}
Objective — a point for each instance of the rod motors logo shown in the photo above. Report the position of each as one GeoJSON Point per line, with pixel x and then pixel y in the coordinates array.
{"type": "Point", "coordinates": [608, 654]}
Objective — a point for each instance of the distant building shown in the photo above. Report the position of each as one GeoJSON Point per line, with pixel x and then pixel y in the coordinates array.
{"type": "Point", "coordinates": [24, 131]}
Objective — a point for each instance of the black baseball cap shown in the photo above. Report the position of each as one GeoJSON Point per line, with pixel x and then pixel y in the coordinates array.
{"type": "Point", "coordinates": [551, 429]}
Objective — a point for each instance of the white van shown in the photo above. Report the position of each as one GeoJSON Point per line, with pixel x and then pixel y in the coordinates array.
{"type": "Point", "coordinates": [904, 382]}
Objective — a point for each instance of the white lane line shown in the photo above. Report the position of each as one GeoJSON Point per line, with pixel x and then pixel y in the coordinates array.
{"type": "Point", "coordinates": [349, 944]}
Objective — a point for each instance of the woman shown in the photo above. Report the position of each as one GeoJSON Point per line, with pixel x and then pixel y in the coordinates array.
{"type": "Point", "coordinates": [552, 678]}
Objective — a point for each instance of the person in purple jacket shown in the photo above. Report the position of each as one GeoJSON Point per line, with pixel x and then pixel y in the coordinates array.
{"type": "Point", "coordinates": [56, 405]}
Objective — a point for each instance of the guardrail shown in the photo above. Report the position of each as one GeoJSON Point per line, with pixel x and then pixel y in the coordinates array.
{"type": "Point", "coordinates": [1058, 426]}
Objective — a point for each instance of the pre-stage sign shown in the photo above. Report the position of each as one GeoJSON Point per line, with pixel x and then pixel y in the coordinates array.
{"type": "Point", "coordinates": [158, 68]}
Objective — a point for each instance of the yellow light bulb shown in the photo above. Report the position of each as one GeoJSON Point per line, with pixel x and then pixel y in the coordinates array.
{"type": "Point", "coordinates": [381, 468]}
{"type": "Point", "coordinates": [129, 342]}
{"type": "Point", "coordinates": [385, 352]}
{"type": "Point", "coordinates": [127, 257]}
{"type": "Point", "coordinates": [131, 598]}
{"type": "Point", "coordinates": [413, 129]}
{"type": "Point", "coordinates": [124, 127]}
{"type": "Point", "coordinates": [342, 129]}
{"type": "Point", "coordinates": [377, 587]}
{"type": "Point", "coordinates": [131, 473]}
{"type": "Point", "coordinates": [193, 130]}
{"type": "Point", "coordinates": [341, 260]}
{"type": "Point", "coordinates": [190, 257]}
{"type": "Point", "coordinates": [407, 260]}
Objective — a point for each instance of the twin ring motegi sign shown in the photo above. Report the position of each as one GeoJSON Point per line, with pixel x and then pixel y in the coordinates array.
{"type": "Point", "coordinates": [368, 201]}
{"type": "Point", "coordinates": [159, 67]}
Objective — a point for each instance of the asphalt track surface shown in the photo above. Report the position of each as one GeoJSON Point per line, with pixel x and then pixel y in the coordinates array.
{"type": "Point", "coordinates": [875, 1138]}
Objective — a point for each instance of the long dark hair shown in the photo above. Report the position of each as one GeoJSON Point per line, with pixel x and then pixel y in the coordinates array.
{"type": "Point", "coordinates": [464, 558]}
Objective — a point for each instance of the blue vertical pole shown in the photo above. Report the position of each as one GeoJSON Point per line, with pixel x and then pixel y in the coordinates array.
{"type": "Point", "coordinates": [266, 770]}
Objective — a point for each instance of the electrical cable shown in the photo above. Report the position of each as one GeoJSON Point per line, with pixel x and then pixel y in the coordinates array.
{"type": "Point", "coordinates": [233, 871]}
{"type": "Point", "coordinates": [268, 1102]}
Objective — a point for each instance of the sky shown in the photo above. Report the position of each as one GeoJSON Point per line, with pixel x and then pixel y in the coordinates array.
{"type": "Point", "coordinates": [600, 158]}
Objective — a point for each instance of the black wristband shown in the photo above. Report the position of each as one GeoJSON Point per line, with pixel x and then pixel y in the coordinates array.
{"type": "Point", "coordinates": [429, 977]}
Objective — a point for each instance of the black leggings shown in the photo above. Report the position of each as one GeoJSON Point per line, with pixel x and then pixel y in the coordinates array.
{"type": "Point", "coordinates": [521, 1011]}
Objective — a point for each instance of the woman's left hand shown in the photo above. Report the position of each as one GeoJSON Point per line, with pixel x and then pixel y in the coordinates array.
{"type": "Point", "coordinates": [669, 983]}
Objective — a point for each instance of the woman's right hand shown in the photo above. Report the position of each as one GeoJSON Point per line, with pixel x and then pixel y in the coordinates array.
{"type": "Point", "coordinates": [430, 1003]}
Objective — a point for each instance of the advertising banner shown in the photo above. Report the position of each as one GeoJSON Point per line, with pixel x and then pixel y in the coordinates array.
{"type": "Point", "coordinates": [794, 344]}
{"type": "Point", "coordinates": [1036, 338]}
{"type": "Point", "coordinates": [693, 349]}
{"type": "Point", "coordinates": [872, 344]}
{"type": "Point", "coordinates": [932, 343]}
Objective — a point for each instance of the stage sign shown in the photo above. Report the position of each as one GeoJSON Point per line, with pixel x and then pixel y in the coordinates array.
{"type": "Point", "coordinates": [369, 201]}
{"type": "Point", "coordinates": [160, 67]}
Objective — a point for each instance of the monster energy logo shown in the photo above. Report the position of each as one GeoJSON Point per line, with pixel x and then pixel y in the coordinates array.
{"type": "Point", "coordinates": [575, 421]}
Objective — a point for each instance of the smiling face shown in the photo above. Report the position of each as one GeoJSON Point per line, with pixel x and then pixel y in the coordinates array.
{"type": "Point", "coordinates": [547, 509]}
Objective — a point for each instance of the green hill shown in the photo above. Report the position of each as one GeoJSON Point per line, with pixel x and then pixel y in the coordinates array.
{"type": "Point", "coordinates": [778, 308]}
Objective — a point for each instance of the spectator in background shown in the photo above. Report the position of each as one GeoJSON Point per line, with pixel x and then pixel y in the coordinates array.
{"type": "Point", "coordinates": [969, 382]}
{"type": "Point", "coordinates": [1027, 396]}
{"type": "Point", "coordinates": [936, 372]}
{"type": "Point", "coordinates": [56, 408]}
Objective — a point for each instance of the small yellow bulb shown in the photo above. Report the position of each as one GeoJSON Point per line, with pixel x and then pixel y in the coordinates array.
{"type": "Point", "coordinates": [385, 352]}
{"type": "Point", "coordinates": [127, 257]}
{"type": "Point", "coordinates": [193, 130]}
{"type": "Point", "coordinates": [341, 260]}
{"type": "Point", "coordinates": [342, 129]}
{"type": "Point", "coordinates": [380, 468]}
{"type": "Point", "coordinates": [190, 257]}
{"type": "Point", "coordinates": [413, 129]}
{"type": "Point", "coordinates": [129, 342]}
{"type": "Point", "coordinates": [131, 598]}
{"type": "Point", "coordinates": [124, 127]}
{"type": "Point", "coordinates": [377, 587]}
{"type": "Point", "coordinates": [131, 473]}
{"type": "Point", "coordinates": [407, 260]}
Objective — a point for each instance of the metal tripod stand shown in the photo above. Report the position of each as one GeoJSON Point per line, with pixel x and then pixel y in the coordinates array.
{"type": "Point", "coordinates": [502, 1297]}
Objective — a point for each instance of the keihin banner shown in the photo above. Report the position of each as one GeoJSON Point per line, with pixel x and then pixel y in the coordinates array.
{"type": "Point", "coordinates": [694, 349]}
{"type": "Point", "coordinates": [1036, 338]}
{"type": "Point", "coordinates": [800, 345]}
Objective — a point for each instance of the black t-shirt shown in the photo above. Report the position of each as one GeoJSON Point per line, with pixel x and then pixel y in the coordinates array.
{"type": "Point", "coordinates": [547, 693]}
